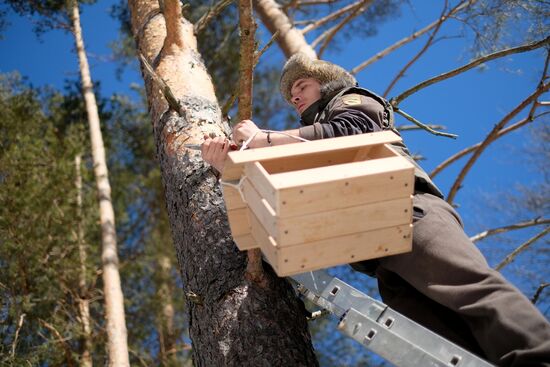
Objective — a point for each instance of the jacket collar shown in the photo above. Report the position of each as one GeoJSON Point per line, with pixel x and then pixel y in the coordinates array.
{"type": "Point", "coordinates": [309, 116]}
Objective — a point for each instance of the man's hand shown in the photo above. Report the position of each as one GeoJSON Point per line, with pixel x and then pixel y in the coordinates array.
{"type": "Point", "coordinates": [247, 128]}
{"type": "Point", "coordinates": [214, 151]}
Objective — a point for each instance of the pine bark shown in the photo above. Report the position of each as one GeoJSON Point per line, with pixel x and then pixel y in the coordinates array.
{"type": "Point", "coordinates": [114, 299]}
{"type": "Point", "coordinates": [233, 320]}
{"type": "Point", "coordinates": [83, 301]}
{"type": "Point", "coordinates": [290, 39]}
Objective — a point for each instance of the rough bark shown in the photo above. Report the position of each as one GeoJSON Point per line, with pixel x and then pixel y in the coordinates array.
{"type": "Point", "coordinates": [114, 300]}
{"type": "Point", "coordinates": [290, 39]}
{"type": "Point", "coordinates": [233, 321]}
{"type": "Point", "coordinates": [83, 302]}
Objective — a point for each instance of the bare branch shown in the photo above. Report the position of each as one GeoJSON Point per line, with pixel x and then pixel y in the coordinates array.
{"type": "Point", "coordinates": [210, 14]}
{"type": "Point", "coordinates": [259, 54]}
{"type": "Point", "coordinates": [532, 46]}
{"type": "Point", "coordinates": [416, 127]}
{"type": "Point", "coordinates": [411, 38]}
{"type": "Point", "coordinates": [489, 139]}
{"type": "Point", "coordinates": [524, 246]}
{"type": "Point", "coordinates": [427, 45]}
{"type": "Point", "coordinates": [329, 35]}
{"type": "Point", "coordinates": [470, 149]}
{"type": "Point", "coordinates": [538, 292]}
{"type": "Point", "coordinates": [230, 102]}
{"type": "Point", "coordinates": [164, 88]}
{"type": "Point", "coordinates": [337, 14]}
{"type": "Point", "coordinates": [19, 325]}
{"type": "Point", "coordinates": [492, 136]}
{"type": "Point", "coordinates": [541, 114]}
{"type": "Point", "coordinates": [422, 125]}
{"type": "Point", "coordinates": [491, 232]}
{"type": "Point", "coordinates": [314, 2]}
{"type": "Point", "coordinates": [62, 341]}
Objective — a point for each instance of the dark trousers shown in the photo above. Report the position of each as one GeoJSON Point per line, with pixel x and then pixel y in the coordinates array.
{"type": "Point", "coordinates": [446, 285]}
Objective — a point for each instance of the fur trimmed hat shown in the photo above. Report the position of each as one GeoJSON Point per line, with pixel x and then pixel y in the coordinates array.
{"type": "Point", "coordinates": [332, 77]}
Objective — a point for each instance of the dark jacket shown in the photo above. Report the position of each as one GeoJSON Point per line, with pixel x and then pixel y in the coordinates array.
{"type": "Point", "coordinates": [356, 111]}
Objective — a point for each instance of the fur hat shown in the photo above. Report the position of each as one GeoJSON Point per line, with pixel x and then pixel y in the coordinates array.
{"type": "Point", "coordinates": [332, 77]}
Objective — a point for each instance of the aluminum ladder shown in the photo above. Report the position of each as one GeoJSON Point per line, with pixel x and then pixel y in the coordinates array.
{"type": "Point", "coordinates": [379, 328]}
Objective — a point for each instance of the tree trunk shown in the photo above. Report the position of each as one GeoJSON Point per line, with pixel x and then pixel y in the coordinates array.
{"type": "Point", "coordinates": [290, 39]}
{"type": "Point", "coordinates": [233, 321]}
{"type": "Point", "coordinates": [114, 300]}
{"type": "Point", "coordinates": [167, 335]}
{"type": "Point", "coordinates": [83, 302]}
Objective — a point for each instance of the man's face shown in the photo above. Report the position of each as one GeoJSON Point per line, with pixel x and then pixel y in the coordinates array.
{"type": "Point", "coordinates": [304, 93]}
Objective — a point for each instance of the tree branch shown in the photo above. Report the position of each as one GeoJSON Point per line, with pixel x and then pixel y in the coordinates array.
{"type": "Point", "coordinates": [522, 248]}
{"type": "Point", "coordinates": [290, 39]}
{"type": "Point", "coordinates": [532, 46]}
{"type": "Point", "coordinates": [427, 45]}
{"type": "Point", "coordinates": [259, 54]}
{"type": "Point", "coordinates": [410, 38]}
{"type": "Point", "coordinates": [19, 326]}
{"type": "Point", "coordinates": [335, 15]}
{"type": "Point", "coordinates": [61, 340]}
{"type": "Point", "coordinates": [246, 64]}
{"type": "Point", "coordinates": [254, 270]}
{"type": "Point", "coordinates": [424, 126]}
{"type": "Point", "coordinates": [233, 97]}
{"type": "Point", "coordinates": [313, 2]}
{"type": "Point", "coordinates": [174, 28]}
{"type": "Point", "coordinates": [538, 292]}
{"type": "Point", "coordinates": [491, 232]}
{"type": "Point", "coordinates": [329, 35]}
{"type": "Point", "coordinates": [164, 88]}
{"type": "Point", "coordinates": [470, 149]}
{"type": "Point", "coordinates": [416, 127]}
{"type": "Point", "coordinates": [492, 136]}
{"type": "Point", "coordinates": [210, 14]}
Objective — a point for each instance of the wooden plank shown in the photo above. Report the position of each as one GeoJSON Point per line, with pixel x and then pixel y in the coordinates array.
{"type": "Point", "coordinates": [329, 174]}
{"type": "Point", "coordinates": [259, 207]}
{"type": "Point", "coordinates": [238, 221]}
{"type": "Point", "coordinates": [232, 198]}
{"type": "Point", "coordinates": [265, 241]}
{"type": "Point", "coordinates": [261, 180]}
{"type": "Point", "coordinates": [355, 219]}
{"type": "Point", "coordinates": [245, 242]}
{"type": "Point", "coordinates": [365, 183]}
{"type": "Point", "coordinates": [337, 251]}
{"type": "Point", "coordinates": [362, 154]}
{"type": "Point", "coordinates": [313, 160]}
{"type": "Point", "coordinates": [234, 164]}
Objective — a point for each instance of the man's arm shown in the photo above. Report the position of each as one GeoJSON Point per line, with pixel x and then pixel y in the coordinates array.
{"type": "Point", "coordinates": [214, 151]}
{"type": "Point", "coordinates": [247, 128]}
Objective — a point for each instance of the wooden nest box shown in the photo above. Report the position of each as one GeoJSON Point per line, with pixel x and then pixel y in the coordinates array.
{"type": "Point", "coordinates": [322, 203]}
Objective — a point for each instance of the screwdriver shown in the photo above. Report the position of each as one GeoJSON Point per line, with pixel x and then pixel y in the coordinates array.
{"type": "Point", "coordinates": [233, 146]}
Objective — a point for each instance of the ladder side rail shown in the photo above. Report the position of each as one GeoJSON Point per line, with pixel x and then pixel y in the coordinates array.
{"type": "Point", "coordinates": [362, 318]}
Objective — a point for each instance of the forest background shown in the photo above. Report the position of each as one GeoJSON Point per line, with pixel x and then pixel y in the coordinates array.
{"type": "Point", "coordinates": [43, 128]}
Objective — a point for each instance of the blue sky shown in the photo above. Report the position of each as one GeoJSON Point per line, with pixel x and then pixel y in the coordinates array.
{"type": "Point", "coordinates": [469, 105]}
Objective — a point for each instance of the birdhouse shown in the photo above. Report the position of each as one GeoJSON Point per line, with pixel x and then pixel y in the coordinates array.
{"type": "Point", "coordinates": [317, 204]}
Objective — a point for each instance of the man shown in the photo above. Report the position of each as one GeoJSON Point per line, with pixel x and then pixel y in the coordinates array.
{"type": "Point", "coordinates": [445, 283]}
